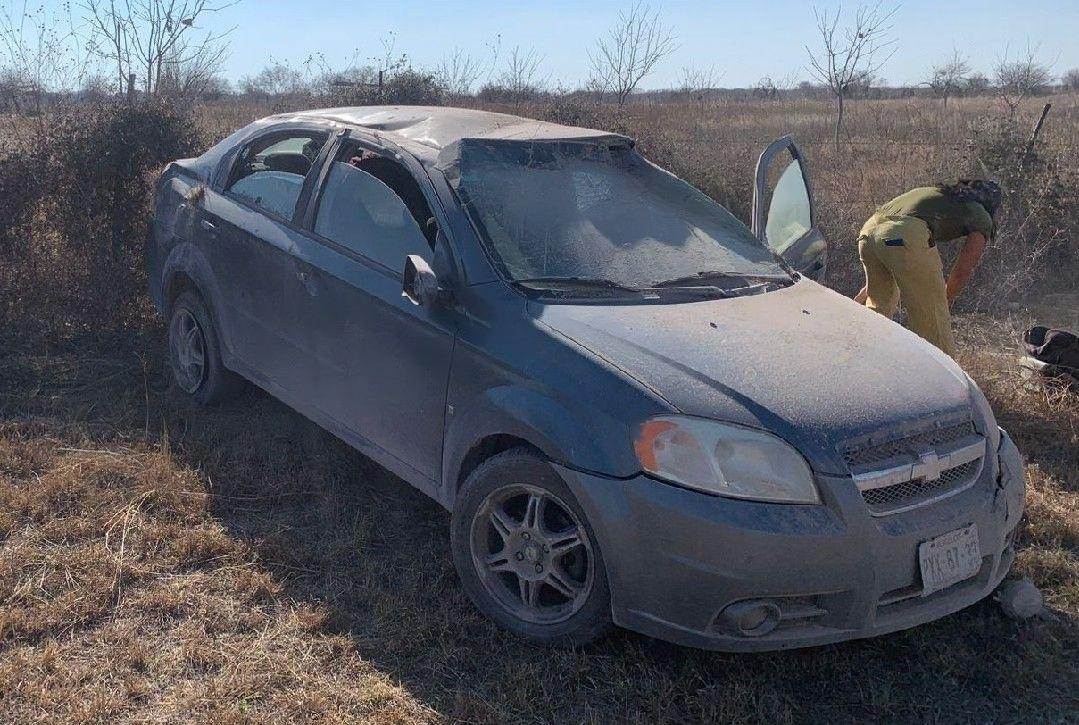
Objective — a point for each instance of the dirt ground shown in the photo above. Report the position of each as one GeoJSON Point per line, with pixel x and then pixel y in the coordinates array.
{"type": "Point", "coordinates": [1060, 310]}
{"type": "Point", "coordinates": [159, 561]}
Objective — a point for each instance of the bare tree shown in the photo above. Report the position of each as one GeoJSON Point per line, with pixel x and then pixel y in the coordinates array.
{"type": "Point", "coordinates": [700, 82]}
{"type": "Point", "coordinates": [976, 84]}
{"type": "Point", "coordinates": [949, 78]}
{"type": "Point", "coordinates": [1070, 80]}
{"type": "Point", "coordinates": [519, 78]}
{"type": "Point", "coordinates": [391, 61]}
{"type": "Point", "coordinates": [276, 79]}
{"type": "Point", "coordinates": [787, 81]}
{"type": "Point", "coordinates": [39, 52]}
{"type": "Point", "coordinates": [317, 76]}
{"type": "Point", "coordinates": [863, 88]}
{"type": "Point", "coordinates": [766, 89]}
{"type": "Point", "coordinates": [189, 76]}
{"type": "Point", "coordinates": [630, 50]}
{"type": "Point", "coordinates": [458, 71]}
{"type": "Point", "coordinates": [851, 56]}
{"type": "Point", "coordinates": [152, 38]}
{"type": "Point", "coordinates": [1021, 78]}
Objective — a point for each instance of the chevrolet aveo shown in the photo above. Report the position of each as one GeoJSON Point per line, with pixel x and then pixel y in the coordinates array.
{"type": "Point", "coordinates": [639, 410]}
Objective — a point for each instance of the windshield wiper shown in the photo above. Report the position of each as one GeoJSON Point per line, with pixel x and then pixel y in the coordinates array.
{"type": "Point", "coordinates": [739, 286]}
{"type": "Point", "coordinates": [566, 284]}
{"type": "Point", "coordinates": [578, 282]}
{"type": "Point", "coordinates": [711, 276]}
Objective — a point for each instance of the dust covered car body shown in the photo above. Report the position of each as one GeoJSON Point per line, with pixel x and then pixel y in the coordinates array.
{"type": "Point", "coordinates": [638, 409]}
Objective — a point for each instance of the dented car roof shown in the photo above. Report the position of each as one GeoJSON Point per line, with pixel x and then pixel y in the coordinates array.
{"type": "Point", "coordinates": [426, 130]}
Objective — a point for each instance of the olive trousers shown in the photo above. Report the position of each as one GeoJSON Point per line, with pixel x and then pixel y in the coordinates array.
{"type": "Point", "coordinates": [900, 260]}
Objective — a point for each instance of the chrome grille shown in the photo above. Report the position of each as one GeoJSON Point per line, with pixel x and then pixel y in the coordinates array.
{"type": "Point", "coordinates": [925, 467]}
{"type": "Point", "coordinates": [869, 455]}
{"type": "Point", "coordinates": [882, 500]}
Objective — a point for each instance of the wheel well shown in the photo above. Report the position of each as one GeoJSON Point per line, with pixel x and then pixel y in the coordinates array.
{"type": "Point", "coordinates": [177, 283]}
{"type": "Point", "coordinates": [488, 448]}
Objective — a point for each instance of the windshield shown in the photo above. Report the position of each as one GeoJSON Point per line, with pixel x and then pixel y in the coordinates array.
{"type": "Point", "coordinates": [588, 211]}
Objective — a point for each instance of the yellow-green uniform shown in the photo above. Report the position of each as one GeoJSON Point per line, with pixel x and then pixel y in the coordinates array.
{"type": "Point", "coordinates": [898, 249]}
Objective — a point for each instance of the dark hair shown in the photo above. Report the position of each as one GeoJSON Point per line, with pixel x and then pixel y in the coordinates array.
{"type": "Point", "coordinates": [987, 193]}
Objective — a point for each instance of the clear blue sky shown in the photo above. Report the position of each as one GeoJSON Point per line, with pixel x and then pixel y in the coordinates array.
{"type": "Point", "coordinates": [743, 40]}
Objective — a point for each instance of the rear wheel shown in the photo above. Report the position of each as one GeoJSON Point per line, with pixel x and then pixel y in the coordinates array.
{"type": "Point", "coordinates": [526, 554]}
{"type": "Point", "coordinates": [195, 353]}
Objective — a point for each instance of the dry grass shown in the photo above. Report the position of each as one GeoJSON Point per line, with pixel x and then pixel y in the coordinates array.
{"type": "Point", "coordinates": [161, 561]}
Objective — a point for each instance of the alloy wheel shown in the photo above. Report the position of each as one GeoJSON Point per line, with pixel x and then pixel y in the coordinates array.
{"type": "Point", "coordinates": [532, 554]}
{"type": "Point", "coordinates": [187, 347]}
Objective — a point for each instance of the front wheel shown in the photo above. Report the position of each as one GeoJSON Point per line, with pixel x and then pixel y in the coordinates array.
{"type": "Point", "coordinates": [526, 554]}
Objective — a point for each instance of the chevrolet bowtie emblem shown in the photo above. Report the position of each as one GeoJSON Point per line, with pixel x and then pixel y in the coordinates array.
{"type": "Point", "coordinates": [928, 466]}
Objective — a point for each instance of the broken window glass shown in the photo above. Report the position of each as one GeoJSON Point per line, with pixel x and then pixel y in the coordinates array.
{"type": "Point", "coordinates": [398, 178]}
{"type": "Point", "coordinates": [362, 214]}
{"type": "Point", "coordinates": [590, 210]}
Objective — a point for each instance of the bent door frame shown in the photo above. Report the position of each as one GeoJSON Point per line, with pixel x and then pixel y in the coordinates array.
{"type": "Point", "coordinates": [809, 241]}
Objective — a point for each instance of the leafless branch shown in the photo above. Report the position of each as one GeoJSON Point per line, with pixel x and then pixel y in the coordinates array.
{"type": "Point", "coordinates": [150, 37]}
{"type": "Point", "coordinates": [630, 51]}
{"type": "Point", "coordinates": [950, 77]}
{"type": "Point", "coordinates": [1022, 77]}
{"type": "Point", "coordinates": [458, 72]}
{"type": "Point", "coordinates": [520, 76]}
{"type": "Point", "coordinates": [849, 57]}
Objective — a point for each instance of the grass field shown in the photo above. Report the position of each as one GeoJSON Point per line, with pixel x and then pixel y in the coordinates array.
{"type": "Point", "coordinates": [159, 561]}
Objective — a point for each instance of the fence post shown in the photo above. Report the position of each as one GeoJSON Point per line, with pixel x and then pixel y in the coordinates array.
{"type": "Point", "coordinates": [1038, 128]}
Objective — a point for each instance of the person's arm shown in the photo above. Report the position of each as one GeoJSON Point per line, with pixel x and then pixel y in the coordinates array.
{"type": "Point", "coordinates": [863, 295]}
{"type": "Point", "coordinates": [965, 263]}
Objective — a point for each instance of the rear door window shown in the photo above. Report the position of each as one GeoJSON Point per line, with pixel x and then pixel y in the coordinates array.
{"type": "Point", "coordinates": [270, 171]}
{"type": "Point", "coordinates": [360, 212]}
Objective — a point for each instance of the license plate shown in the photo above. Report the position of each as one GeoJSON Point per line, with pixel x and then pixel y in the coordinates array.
{"type": "Point", "coordinates": [949, 558]}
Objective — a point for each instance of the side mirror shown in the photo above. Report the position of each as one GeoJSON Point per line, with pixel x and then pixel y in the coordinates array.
{"type": "Point", "coordinates": [420, 283]}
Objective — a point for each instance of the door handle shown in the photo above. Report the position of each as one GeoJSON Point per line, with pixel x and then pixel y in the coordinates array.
{"type": "Point", "coordinates": [307, 282]}
{"type": "Point", "coordinates": [208, 225]}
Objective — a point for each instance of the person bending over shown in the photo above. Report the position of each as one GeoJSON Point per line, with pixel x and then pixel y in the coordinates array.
{"type": "Point", "coordinates": [898, 249]}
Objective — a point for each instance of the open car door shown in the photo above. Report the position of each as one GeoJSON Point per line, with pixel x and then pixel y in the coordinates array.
{"type": "Point", "coordinates": [783, 216]}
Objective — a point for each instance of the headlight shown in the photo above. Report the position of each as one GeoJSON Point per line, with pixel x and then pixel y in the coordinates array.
{"type": "Point", "coordinates": [724, 459]}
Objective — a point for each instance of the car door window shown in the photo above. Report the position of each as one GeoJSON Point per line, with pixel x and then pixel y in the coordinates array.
{"type": "Point", "coordinates": [789, 216]}
{"type": "Point", "coordinates": [270, 171]}
{"type": "Point", "coordinates": [363, 214]}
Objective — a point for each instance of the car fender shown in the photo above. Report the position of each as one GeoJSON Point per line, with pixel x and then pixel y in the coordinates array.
{"type": "Point", "coordinates": [185, 259]}
{"type": "Point", "coordinates": [567, 435]}
{"type": "Point", "coordinates": [1011, 479]}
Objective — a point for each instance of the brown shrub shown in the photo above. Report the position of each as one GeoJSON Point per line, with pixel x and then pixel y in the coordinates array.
{"type": "Point", "coordinates": [1037, 240]}
{"type": "Point", "coordinates": [75, 191]}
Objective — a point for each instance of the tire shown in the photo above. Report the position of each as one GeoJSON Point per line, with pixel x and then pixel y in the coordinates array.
{"type": "Point", "coordinates": [191, 334]}
{"type": "Point", "coordinates": [496, 550]}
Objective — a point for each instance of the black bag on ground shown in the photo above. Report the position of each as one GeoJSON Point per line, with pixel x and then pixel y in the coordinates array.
{"type": "Point", "coordinates": [1056, 348]}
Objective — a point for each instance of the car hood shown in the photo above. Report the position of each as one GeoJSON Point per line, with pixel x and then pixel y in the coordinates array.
{"type": "Point", "coordinates": [803, 362]}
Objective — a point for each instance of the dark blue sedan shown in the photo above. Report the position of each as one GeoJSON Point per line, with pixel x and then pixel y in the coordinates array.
{"type": "Point", "coordinates": [640, 410]}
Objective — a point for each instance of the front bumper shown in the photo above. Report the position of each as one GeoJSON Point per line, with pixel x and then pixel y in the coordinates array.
{"type": "Point", "coordinates": [676, 558]}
